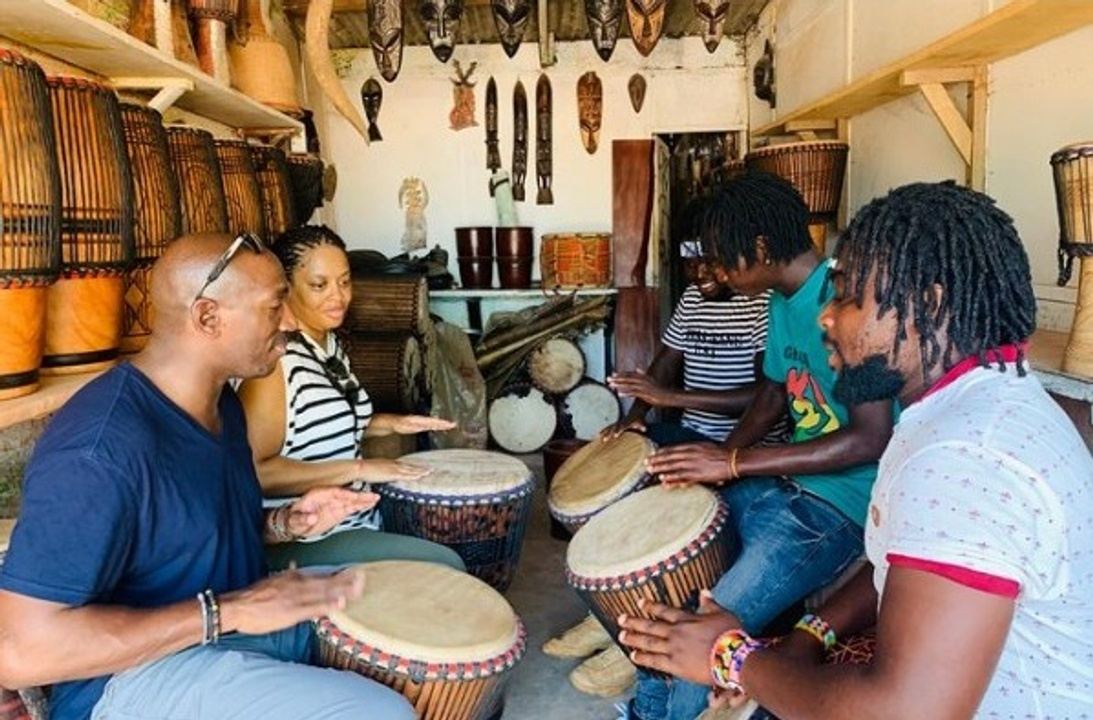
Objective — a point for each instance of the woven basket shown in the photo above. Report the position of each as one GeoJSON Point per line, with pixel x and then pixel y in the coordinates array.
{"type": "Point", "coordinates": [570, 260]}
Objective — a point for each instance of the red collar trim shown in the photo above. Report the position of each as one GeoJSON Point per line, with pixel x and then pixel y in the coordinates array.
{"type": "Point", "coordinates": [1003, 353]}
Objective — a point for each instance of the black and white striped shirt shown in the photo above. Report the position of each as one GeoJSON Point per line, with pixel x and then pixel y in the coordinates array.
{"type": "Point", "coordinates": [719, 340]}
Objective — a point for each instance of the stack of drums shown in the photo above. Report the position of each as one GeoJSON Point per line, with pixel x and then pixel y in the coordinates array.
{"type": "Point", "coordinates": [597, 476]}
{"type": "Point", "coordinates": [657, 544]}
{"type": "Point", "coordinates": [443, 639]}
{"type": "Point", "coordinates": [30, 220]}
{"type": "Point", "coordinates": [1072, 167]}
{"type": "Point", "coordinates": [273, 180]}
{"type": "Point", "coordinates": [305, 172]}
{"type": "Point", "coordinates": [474, 248]}
{"type": "Point", "coordinates": [158, 218]}
{"type": "Point", "coordinates": [193, 156]}
{"type": "Point", "coordinates": [241, 192]}
{"type": "Point", "coordinates": [211, 19]}
{"type": "Point", "coordinates": [475, 502]}
{"type": "Point", "coordinates": [84, 311]}
{"type": "Point", "coordinates": [515, 252]}
{"type": "Point", "coordinates": [390, 368]}
{"type": "Point", "coordinates": [816, 168]}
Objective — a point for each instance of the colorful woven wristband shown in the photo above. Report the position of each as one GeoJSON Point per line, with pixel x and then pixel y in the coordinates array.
{"type": "Point", "coordinates": [728, 655]}
{"type": "Point", "coordinates": [818, 628]}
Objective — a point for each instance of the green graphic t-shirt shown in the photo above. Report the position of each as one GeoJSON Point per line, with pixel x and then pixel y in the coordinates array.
{"type": "Point", "coordinates": [796, 356]}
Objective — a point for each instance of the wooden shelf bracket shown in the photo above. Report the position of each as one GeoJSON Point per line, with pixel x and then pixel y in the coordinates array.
{"type": "Point", "coordinates": [168, 90]}
{"type": "Point", "coordinates": [968, 134]}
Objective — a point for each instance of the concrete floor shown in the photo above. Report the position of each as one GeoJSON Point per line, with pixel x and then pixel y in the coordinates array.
{"type": "Point", "coordinates": [539, 688]}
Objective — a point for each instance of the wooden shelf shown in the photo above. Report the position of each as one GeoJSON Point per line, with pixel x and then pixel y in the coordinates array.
{"type": "Point", "coordinates": [1046, 357]}
{"type": "Point", "coordinates": [51, 395]}
{"type": "Point", "coordinates": [59, 29]}
{"type": "Point", "coordinates": [1012, 29]}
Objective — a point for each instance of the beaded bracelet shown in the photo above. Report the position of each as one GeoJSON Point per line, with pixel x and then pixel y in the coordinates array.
{"type": "Point", "coordinates": [728, 655]}
{"type": "Point", "coordinates": [818, 628]}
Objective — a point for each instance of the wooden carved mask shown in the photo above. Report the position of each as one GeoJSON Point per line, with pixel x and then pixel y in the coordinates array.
{"type": "Point", "coordinates": [636, 87]}
{"type": "Point", "coordinates": [544, 154]}
{"type": "Point", "coordinates": [590, 109]}
{"type": "Point", "coordinates": [372, 99]}
{"type": "Point", "coordinates": [520, 140]}
{"type": "Point", "coordinates": [511, 18]}
{"type": "Point", "coordinates": [604, 18]}
{"type": "Point", "coordinates": [385, 35]}
{"type": "Point", "coordinates": [441, 20]}
{"type": "Point", "coordinates": [646, 22]}
{"type": "Point", "coordinates": [712, 13]}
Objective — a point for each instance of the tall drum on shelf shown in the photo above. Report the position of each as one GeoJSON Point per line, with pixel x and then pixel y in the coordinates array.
{"type": "Point", "coordinates": [30, 220]}
{"type": "Point", "coordinates": [211, 19]}
{"type": "Point", "coordinates": [84, 311]}
{"type": "Point", "coordinates": [272, 170]}
{"type": "Point", "coordinates": [193, 156]}
{"type": "Point", "coordinates": [244, 198]}
{"type": "Point", "coordinates": [1073, 170]}
{"type": "Point", "coordinates": [158, 216]}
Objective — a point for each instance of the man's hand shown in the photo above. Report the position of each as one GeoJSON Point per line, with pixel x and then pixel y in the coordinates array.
{"type": "Point", "coordinates": [704, 462]}
{"type": "Point", "coordinates": [613, 431]}
{"type": "Point", "coordinates": [411, 424]}
{"type": "Point", "coordinates": [676, 641]}
{"type": "Point", "coordinates": [322, 508]}
{"type": "Point", "coordinates": [642, 387]}
{"type": "Point", "coordinates": [379, 470]}
{"type": "Point", "coordinates": [282, 600]}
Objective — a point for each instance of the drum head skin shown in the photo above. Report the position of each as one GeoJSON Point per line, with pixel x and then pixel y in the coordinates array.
{"type": "Point", "coordinates": [641, 530]}
{"type": "Point", "coordinates": [429, 613]}
{"type": "Point", "coordinates": [556, 366]}
{"type": "Point", "coordinates": [522, 420]}
{"type": "Point", "coordinates": [590, 407]}
{"type": "Point", "coordinates": [465, 473]}
{"type": "Point", "coordinates": [599, 474]}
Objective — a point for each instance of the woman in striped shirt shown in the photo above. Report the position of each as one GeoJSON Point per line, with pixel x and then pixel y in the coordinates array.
{"type": "Point", "coordinates": [306, 420]}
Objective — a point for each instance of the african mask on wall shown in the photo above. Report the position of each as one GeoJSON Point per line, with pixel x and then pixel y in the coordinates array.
{"type": "Point", "coordinates": [604, 18]}
{"type": "Point", "coordinates": [372, 99]}
{"type": "Point", "coordinates": [544, 117]}
{"type": "Point", "coordinates": [762, 75]}
{"type": "Point", "coordinates": [646, 22]}
{"type": "Point", "coordinates": [519, 140]}
{"type": "Point", "coordinates": [385, 35]}
{"type": "Point", "coordinates": [590, 109]}
{"type": "Point", "coordinates": [636, 88]}
{"type": "Point", "coordinates": [462, 114]}
{"type": "Point", "coordinates": [511, 18]}
{"type": "Point", "coordinates": [712, 13]}
{"type": "Point", "coordinates": [493, 151]}
{"type": "Point", "coordinates": [441, 20]}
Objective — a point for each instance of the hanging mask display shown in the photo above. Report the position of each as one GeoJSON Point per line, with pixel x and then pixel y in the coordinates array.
{"type": "Point", "coordinates": [646, 22]}
{"type": "Point", "coordinates": [441, 19]}
{"type": "Point", "coordinates": [385, 35]}
{"type": "Point", "coordinates": [636, 88]}
{"type": "Point", "coordinates": [604, 18]}
{"type": "Point", "coordinates": [511, 18]}
{"type": "Point", "coordinates": [372, 99]}
{"type": "Point", "coordinates": [493, 151]}
{"type": "Point", "coordinates": [544, 115]}
{"type": "Point", "coordinates": [462, 114]}
{"type": "Point", "coordinates": [712, 13]}
{"type": "Point", "coordinates": [762, 75]}
{"type": "Point", "coordinates": [519, 140]}
{"type": "Point", "coordinates": [590, 109]}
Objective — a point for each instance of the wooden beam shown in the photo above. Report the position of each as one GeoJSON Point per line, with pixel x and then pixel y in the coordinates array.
{"type": "Point", "coordinates": [842, 132]}
{"type": "Point", "coordinates": [798, 126]}
{"type": "Point", "coordinates": [977, 113]}
{"type": "Point", "coordinates": [946, 111]}
{"type": "Point", "coordinates": [937, 75]}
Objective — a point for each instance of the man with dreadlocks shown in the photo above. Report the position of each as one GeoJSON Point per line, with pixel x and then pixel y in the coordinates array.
{"type": "Point", "coordinates": [978, 532]}
{"type": "Point", "coordinates": [798, 509]}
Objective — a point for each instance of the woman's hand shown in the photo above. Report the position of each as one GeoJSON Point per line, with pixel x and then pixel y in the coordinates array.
{"type": "Point", "coordinates": [379, 470]}
{"type": "Point", "coordinates": [321, 509]}
{"type": "Point", "coordinates": [639, 385]}
{"type": "Point", "coordinates": [411, 424]}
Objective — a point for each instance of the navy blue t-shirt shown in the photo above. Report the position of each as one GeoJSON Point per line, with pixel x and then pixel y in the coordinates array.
{"type": "Point", "coordinates": [128, 501]}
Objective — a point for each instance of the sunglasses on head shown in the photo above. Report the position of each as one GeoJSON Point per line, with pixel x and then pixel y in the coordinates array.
{"type": "Point", "coordinates": [248, 240]}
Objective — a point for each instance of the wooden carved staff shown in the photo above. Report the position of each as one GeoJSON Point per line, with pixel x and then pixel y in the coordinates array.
{"type": "Point", "coordinates": [520, 140]}
{"type": "Point", "coordinates": [493, 152]}
{"type": "Point", "coordinates": [543, 133]}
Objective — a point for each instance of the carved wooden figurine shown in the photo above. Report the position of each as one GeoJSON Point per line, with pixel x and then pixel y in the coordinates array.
{"type": "Point", "coordinates": [462, 115]}
{"type": "Point", "coordinates": [519, 140]}
{"type": "Point", "coordinates": [372, 99]}
{"type": "Point", "coordinates": [636, 87]}
{"type": "Point", "coordinates": [544, 115]}
{"type": "Point", "coordinates": [441, 19]}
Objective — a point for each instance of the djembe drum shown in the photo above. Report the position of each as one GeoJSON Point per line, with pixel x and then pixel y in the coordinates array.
{"type": "Point", "coordinates": [475, 502]}
{"type": "Point", "coordinates": [1073, 170]}
{"type": "Point", "coordinates": [817, 169]}
{"type": "Point", "coordinates": [597, 476]}
{"type": "Point", "coordinates": [389, 366]}
{"type": "Point", "coordinates": [271, 170]}
{"type": "Point", "coordinates": [211, 19]}
{"type": "Point", "coordinates": [521, 419]}
{"type": "Point", "coordinates": [657, 544]}
{"type": "Point", "coordinates": [305, 173]}
{"type": "Point", "coordinates": [556, 366]}
{"type": "Point", "coordinates": [84, 311]}
{"type": "Point", "coordinates": [241, 191]}
{"type": "Point", "coordinates": [30, 220]}
{"type": "Point", "coordinates": [587, 409]}
{"type": "Point", "coordinates": [442, 638]}
{"type": "Point", "coordinates": [574, 260]}
{"type": "Point", "coordinates": [390, 303]}
{"type": "Point", "coordinates": [158, 216]}
{"type": "Point", "coordinates": [193, 156]}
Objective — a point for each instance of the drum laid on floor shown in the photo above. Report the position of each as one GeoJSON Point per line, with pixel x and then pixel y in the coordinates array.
{"type": "Point", "coordinates": [442, 638]}
{"type": "Point", "coordinates": [556, 366]}
{"type": "Point", "coordinates": [521, 419]}
{"type": "Point", "coordinates": [597, 476]}
{"type": "Point", "coordinates": [587, 409]}
{"type": "Point", "coordinates": [664, 545]}
{"type": "Point", "coordinates": [474, 501]}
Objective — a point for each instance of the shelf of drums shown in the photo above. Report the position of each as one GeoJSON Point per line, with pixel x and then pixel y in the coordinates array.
{"type": "Point", "coordinates": [53, 392]}
{"type": "Point", "coordinates": [62, 30]}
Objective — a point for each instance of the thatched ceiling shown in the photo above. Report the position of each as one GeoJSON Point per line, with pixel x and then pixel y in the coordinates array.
{"type": "Point", "coordinates": [349, 27]}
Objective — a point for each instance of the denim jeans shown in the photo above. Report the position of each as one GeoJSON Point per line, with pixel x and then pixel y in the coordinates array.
{"type": "Point", "coordinates": [670, 433]}
{"type": "Point", "coordinates": [791, 544]}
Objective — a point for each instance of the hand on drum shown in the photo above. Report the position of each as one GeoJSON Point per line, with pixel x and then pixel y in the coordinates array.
{"type": "Point", "coordinates": [378, 470]}
{"type": "Point", "coordinates": [613, 431]}
{"type": "Point", "coordinates": [704, 462]}
{"type": "Point", "coordinates": [322, 508]}
{"type": "Point", "coordinates": [287, 598]}
{"type": "Point", "coordinates": [639, 385]}
{"type": "Point", "coordinates": [412, 424]}
{"type": "Point", "coordinates": [676, 641]}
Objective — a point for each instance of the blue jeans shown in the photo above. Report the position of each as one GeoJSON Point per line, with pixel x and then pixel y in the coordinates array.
{"type": "Point", "coordinates": [669, 433]}
{"type": "Point", "coordinates": [791, 544]}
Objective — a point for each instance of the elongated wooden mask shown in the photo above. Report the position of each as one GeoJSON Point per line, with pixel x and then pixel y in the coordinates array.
{"type": "Point", "coordinates": [712, 13]}
{"type": "Point", "coordinates": [519, 140]}
{"type": "Point", "coordinates": [544, 154]}
{"type": "Point", "coordinates": [646, 22]}
{"type": "Point", "coordinates": [441, 19]}
{"type": "Point", "coordinates": [511, 18]}
{"type": "Point", "coordinates": [590, 109]}
{"type": "Point", "coordinates": [636, 87]}
{"type": "Point", "coordinates": [493, 151]}
{"type": "Point", "coordinates": [604, 18]}
{"type": "Point", "coordinates": [385, 35]}
{"type": "Point", "coordinates": [372, 99]}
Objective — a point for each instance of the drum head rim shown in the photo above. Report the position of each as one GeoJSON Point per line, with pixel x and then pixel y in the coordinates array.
{"type": "Point", "coordinates": [522, 484]}
{"type": "Point", "coordinates": [567, 510]}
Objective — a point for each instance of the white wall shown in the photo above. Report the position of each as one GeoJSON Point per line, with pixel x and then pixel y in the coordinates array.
{"type": "Point", "coordinates": [1038, 102]}
{"type": "Point", "coordinates": [688, 90]}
